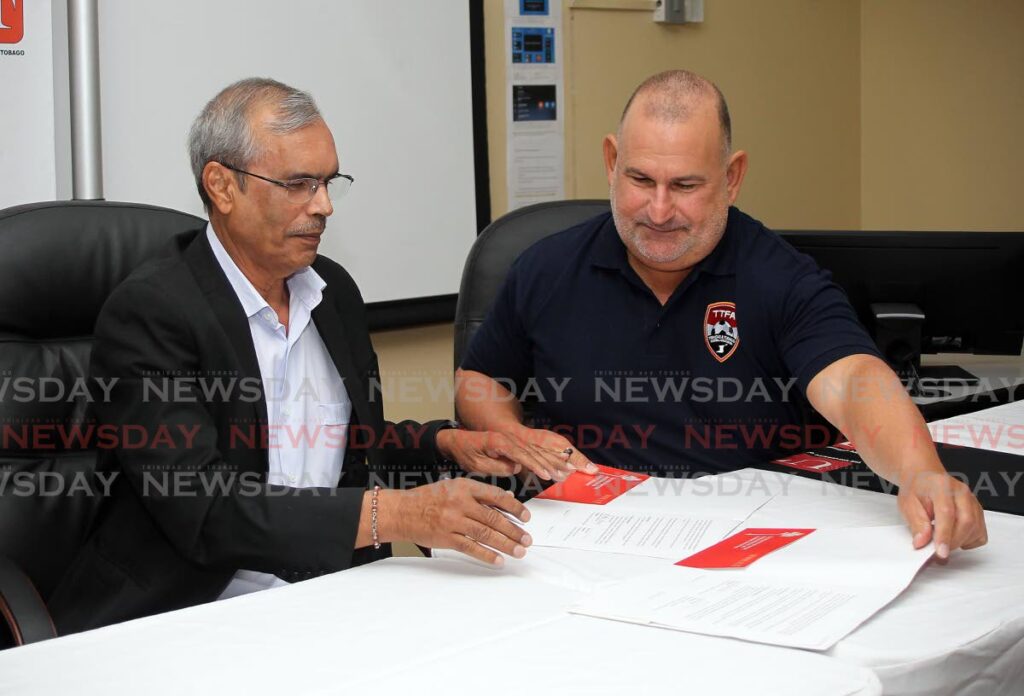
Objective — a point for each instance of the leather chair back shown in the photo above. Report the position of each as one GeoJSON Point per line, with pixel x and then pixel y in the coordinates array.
{"type": "Point", "coordinates": [495, 250]}
{"type": "Point", "coordinates": [58, 263]}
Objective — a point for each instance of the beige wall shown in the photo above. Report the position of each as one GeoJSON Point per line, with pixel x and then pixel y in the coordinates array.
{"type": "Point", "coordinates": [872, 114]}
{"type": "Point", "coordinates": [942, 103]}
{"type": "Point", "coordinates": [790, 70]}
{"type": "Point", "coordinates": [416, 372]}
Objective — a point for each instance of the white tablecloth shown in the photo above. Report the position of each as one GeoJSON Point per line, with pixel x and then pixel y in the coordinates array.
{"type": "Point", "coordinates": [958, 629]}
{"type": "Point", "coordinates": [411, 625]}
{"type": "Point", "coordinates": [449, 625]}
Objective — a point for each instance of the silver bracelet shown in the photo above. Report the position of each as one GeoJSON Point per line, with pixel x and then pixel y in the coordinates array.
{"type": "Point", "coordinates": [373, 517]}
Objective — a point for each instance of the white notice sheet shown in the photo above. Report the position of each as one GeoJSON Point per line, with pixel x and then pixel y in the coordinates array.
{"type": "Point", "coordinates": [727, 496]}
{"type": "Point", "coordinates": [807, 595]}
{"type": "Point", "coordinates": [597, 528]}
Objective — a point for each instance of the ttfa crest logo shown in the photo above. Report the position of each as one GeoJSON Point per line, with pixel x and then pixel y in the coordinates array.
{"type": "Point", "coordinates": [12, 21]}
{"type": "Point", "coordinates": [721, 333]}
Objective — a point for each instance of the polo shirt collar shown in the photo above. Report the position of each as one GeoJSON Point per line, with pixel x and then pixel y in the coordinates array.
{"type": "Point", "coordinates": [305, 284]}
{"type": "Point", "coordinates": [609, 251]}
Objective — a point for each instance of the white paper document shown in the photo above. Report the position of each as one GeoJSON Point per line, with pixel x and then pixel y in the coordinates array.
{"type": "Point", "coordinates": [596, 528]}
{"type": "Point", "coordinates": [809, 594]}
{"type": "Point", "coordinates": [1000, 429]}
{"type": "Point", "coordinates": [726, 496]}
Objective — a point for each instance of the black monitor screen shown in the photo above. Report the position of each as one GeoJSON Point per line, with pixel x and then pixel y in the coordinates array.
{"type": "Point", "coordinates": [534, 103]}
{"type": "Point", "coordinates": [970, 285]}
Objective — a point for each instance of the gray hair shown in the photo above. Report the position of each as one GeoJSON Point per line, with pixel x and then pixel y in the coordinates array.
{"type": "Point", "coordinates": [223, 130]}
{"type": "Point", "coordinates": [671, 96]}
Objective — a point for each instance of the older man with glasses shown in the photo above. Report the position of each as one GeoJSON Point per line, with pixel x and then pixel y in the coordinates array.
{"type": "Point", "coordinates": [253, 351]}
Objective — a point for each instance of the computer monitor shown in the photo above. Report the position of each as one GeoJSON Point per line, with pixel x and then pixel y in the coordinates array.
{"type": "Point", "coordinates": [970, 285]}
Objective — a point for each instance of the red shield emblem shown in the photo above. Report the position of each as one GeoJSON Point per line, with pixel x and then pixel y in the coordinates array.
{"type": "Point", "coordinates": [721, 333]}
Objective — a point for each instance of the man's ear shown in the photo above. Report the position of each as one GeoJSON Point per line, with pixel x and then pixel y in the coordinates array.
{"type": "Point", "coordinates": [734, 173]}
{"type": "Point", "coordinates": [221, 186]}
{"type": "Point", "coordinates": [611, 155]}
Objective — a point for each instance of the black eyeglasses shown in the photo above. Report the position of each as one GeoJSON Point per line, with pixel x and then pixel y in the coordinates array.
{"type": "Point", "coordinates": [301, 191]}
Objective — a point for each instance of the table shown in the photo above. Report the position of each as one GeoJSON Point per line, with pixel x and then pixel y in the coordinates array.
{"type": "Point", "coordinates": [1001, 379]}
{"type": "Point", "coordinates": [958, 629]}
{"type": "Point", "coordinates": [412, 625]}
{"type": "Point", "coordinates": [449, 625]}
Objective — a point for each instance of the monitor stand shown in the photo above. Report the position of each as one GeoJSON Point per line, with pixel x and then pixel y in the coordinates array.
{"type": "Point", "coordinates": [897, 333]}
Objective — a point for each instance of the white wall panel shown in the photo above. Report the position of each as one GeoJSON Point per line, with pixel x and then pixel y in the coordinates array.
{"type": "Point", "coordinates": [392, 79]}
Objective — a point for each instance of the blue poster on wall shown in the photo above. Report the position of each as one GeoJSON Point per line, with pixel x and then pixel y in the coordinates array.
{"type": "Point", "coordinates": [533, 45]}
{"type": "Point", "coordinates": [533, 7]}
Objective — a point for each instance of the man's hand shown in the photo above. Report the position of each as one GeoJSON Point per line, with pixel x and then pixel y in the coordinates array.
{"type": "Point", "coordinates": [958, 516]}
{"type": "Point", "coordinates": [554, 456]}
{"type": "Point", "coordinates": [546, 454]}
{"type": "Point", "coordinates": [459, 514]}
{"type": "Point", "coordinates": [485, 405]}
{"type": "Point", "coordinates": [864, 399]}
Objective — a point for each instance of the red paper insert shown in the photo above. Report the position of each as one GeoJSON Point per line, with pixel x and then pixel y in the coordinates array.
{"type": "Point", "coordinates": [743, 548]}
{"type": "Point", "coordinates": [822, 460]}
{"type": "Point", "coordinates": [594, 489]}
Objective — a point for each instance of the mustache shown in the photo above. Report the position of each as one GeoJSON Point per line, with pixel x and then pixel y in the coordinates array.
{"type": "Point", "coordinates": [315, 226]}
{"type": "Point", "coordinates": [671, 227]}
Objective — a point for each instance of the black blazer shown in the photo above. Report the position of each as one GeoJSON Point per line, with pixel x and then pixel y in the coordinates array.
{"type": "Point", "coordinates": [191, 505]}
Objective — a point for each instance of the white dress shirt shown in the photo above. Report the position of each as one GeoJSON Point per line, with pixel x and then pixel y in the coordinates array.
{"type": "Point", "coordinates": [307, 405]}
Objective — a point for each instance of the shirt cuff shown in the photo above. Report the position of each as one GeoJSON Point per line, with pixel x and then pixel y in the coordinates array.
{"type": "Point", "coordinates": [441, 464]}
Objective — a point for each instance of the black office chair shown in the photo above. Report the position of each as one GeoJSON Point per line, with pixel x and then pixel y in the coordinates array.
{"type": "Point", "coordinates": [495, 250]}
{"type": "Point", "coordinates": [58, 263]}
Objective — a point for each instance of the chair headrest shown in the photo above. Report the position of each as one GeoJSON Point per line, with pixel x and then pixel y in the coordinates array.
{"type": "Point", "coordinates": [60, 260]}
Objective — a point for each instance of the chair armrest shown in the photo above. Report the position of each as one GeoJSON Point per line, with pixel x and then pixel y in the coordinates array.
{"type": "Point", "coordinates": [21, 607]}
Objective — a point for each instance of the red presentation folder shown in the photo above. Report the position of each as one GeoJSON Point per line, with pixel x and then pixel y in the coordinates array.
{"type": "Point", "coordinates": [742, 549]}
{"type": "Point", "coordinates": [594, 489]}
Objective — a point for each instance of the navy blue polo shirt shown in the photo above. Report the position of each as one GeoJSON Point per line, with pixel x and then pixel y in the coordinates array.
{"type": "Point", "coordinates": [714, 380]}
